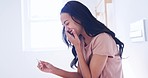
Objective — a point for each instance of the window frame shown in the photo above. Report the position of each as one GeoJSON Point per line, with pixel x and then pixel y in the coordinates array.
{"type": "Point", "coordinates": [26, 30]}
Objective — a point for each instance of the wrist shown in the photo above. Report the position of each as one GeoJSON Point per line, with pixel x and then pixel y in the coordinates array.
{"type": "Point", "coordinates": [78, 46]}
{"type": "Point", "coordinates": [53, 70]}
{"type": "Point", "coordinates": [79, 49]}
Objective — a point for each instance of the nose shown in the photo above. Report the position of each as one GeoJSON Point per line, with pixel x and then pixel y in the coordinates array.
{"type": "Point", "coordinates": [67, 28]}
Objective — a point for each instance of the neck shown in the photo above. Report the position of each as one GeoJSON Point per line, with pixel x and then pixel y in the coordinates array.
{"type": "Point", "coordinates": [87, 39]}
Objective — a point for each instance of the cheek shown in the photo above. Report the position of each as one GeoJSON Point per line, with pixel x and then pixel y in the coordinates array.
{"type": "Point", "coordinates": [76, 27]}
{"type": "Point", "coordinates": [78, 30]}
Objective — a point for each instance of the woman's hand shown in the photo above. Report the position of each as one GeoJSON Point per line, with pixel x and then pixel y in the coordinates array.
{"type": "Point", "coordinates": [45, 66]}
{"type": "Point", "coordinates": [73, 37]}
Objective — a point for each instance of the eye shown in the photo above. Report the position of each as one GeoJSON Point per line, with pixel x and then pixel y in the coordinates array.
{"type": "Point", "coordinates": [66, 23]}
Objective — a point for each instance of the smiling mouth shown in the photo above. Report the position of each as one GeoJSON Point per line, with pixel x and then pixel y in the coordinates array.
{"type": "Point", "coordinates": [70, 32]}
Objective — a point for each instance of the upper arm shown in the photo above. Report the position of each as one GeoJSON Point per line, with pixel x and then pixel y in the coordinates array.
{"type": "Point", "coordinates": [102, 48]}
{"type": "Point", "coordinates": [97, 64]}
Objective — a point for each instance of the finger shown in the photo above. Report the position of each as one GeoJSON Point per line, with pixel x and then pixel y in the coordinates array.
{"type": "Point", "coordinates": [68, 35]}
{"type": "Point", "coordinates": [74, 33]}
{"type": "Point", "coordinates": [39, 64]}
{"type": "Point", "coordinates": [40, 67]}
{"type": "Point", "coordinates": [44, 63]}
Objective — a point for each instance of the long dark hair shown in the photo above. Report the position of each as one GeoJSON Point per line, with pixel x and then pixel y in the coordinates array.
{"type": "Point", "coordinates": [90, 24]}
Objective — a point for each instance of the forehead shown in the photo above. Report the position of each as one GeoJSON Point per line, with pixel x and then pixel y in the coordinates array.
{"type": "Point", "coordinates": [65, 16]}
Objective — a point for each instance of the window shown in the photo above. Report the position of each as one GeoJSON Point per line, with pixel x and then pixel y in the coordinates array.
{"type": "Point", "coordinates": [41, 26]}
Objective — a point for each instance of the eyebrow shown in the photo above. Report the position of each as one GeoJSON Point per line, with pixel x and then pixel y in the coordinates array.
{"type": "Point", "coordinates": [65, 21]}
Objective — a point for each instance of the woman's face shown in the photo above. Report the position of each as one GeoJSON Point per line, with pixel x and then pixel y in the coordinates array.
{"type": "Point", "coordinates": [70, 24]}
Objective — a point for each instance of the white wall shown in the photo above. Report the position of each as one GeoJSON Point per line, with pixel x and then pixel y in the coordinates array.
{"type": "Point", "coordinates": [129, 11]}
{"type": "Point", "coordinates": [10, 39]}
{"type": "Point", "coordinates": [91, 4]}
{"type": "Point", "coordinates": [14, 63]}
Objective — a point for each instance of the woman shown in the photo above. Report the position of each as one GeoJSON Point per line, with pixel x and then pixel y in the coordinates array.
{"type": "Point", "coordinates": [97, 51]}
